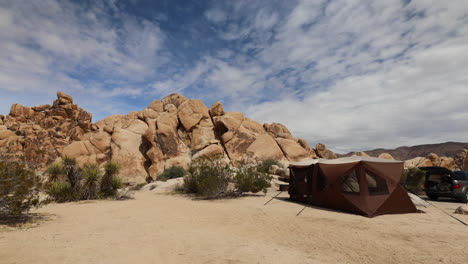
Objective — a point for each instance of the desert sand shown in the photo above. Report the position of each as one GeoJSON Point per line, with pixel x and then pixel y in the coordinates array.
{"type": "Point", "coordinates": [162, 228]}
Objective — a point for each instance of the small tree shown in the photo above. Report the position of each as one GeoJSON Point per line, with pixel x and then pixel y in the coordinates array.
{"type": "Point", "coordinates": [91, 177]}
{"type": "Point", "coordinates": [413, 179]}
{"type": "Point", "coordinates": [71, 170]}
{"type": "Point", "coordinates": [108, 183]}
{"type": "Point", "coordinates": [19, 189]}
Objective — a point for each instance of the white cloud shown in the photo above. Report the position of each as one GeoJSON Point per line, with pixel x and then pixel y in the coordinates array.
{"type": "Point", "coordinates": [216, 15]}
{"type": "Point", "coordinates": [351, 74]}
{"type": "Point", "coordinates": [57, 45]}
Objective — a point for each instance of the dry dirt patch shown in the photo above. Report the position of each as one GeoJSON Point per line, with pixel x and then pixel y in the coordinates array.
{"type": "Point", "coordinates": [155, 228]}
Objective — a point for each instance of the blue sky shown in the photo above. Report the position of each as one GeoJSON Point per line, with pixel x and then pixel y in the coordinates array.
{"type": "Point", "coordinates": [351, 74]}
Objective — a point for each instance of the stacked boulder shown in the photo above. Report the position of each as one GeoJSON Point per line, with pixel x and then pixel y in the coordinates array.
{"type": "Point", "coordinates": [431, 160]}
{"type": "Point", "coordinates": [40, 133]}
{"type": "Point", "coordinates": [461, 160]}
{"type": "Point", "coordinates": [171, 131]}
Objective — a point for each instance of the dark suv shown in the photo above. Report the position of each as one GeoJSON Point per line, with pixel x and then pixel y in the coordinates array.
{"type": "Point", "coordinates": [442, 182]}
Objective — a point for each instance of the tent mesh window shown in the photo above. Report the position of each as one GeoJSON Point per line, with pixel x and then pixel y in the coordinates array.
{"type": "Point", "coordinates": [376, 184]}
{"type": "Point", "coordinates": [300, 175]}
{"type": "Point", "coordinates": [321, 182]}
{"type": "Point", "coordinates": [350, 183]}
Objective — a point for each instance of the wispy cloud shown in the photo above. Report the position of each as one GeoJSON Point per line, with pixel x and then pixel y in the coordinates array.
{"type": "Point", "coordinates": [57, 45]}
{"type": "Point", "coordinates": [352, 74]}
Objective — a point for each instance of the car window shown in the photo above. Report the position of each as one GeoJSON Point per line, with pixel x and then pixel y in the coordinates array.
{"type": "Point", "coordinates": [460, 175]}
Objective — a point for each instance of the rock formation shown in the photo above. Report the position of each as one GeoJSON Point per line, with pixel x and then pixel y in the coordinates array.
{"type": "Point", "coordinates": [386, 156]}
{"type": "Point", "coordinates": [461, 160]}
{"type": "Point", "coordinates": [171, 131]}
{"type": "Point", "coordinates": [431, 160]}
{"type": "Point", "coordinates": [40, 133]}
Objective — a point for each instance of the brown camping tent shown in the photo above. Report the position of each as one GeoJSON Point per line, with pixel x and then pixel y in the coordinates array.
{"type": "Point", "coordinates": [361, 185]}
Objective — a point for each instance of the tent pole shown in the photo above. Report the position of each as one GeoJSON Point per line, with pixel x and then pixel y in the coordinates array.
{"type": "Point", "coordinates": [444, 211]}
{"type": "Point", "coordinates": [273, 198]}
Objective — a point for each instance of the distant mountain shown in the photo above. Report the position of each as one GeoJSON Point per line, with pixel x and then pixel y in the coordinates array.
{"type": "Point", "coordinates": [447, 149]}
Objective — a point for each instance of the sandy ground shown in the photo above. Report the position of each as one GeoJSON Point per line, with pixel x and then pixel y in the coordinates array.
{"type": "Point", "coordinates": [158, 228]}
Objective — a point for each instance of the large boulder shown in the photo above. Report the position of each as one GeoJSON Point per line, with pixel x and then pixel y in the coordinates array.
{"type": "Point", "coordinates": [461, 160]}
{"type": "Point", "coordinates": [448, 163]}
{"type": "Point", "coordinates": [265, 147]}
{"type": "Point", "coordinates": [216, 109]}
{"type": "Point", "coordinates": [157, 106]}
{"type": "Point", "coordinates": [434, 158]}
{"type": "Point", "coordinates": [213, 150]}
{"type": "Point", "coordinates": [322, 152]}
{"type": "Point", "coordinates": [237, 141]}
{"type": "Point", "coordinates": [202, 135]}
{"type": "Point", "coordinates": [147, 114]}
{"type": "Point", "coordinates": [293, 150]}
{"type": "Point", "coordinates": [386, 156]}
{"type": "Point", "coordinates": [95, 149]}
{"type": "Point", "coordinates": [174, 99]}
{"type": "Point", "coordinates": [360, 154]}
{"type": "Point", "coordinates": [126, 147]}
{"type": "Point", "coordinates": [64, 98]}
{"type": "Point", "coordinates": [278, 130]}
{"type": "Point", "coordinates": [110, 123]}
{"type": "Point", "coordinates": [191, 113]}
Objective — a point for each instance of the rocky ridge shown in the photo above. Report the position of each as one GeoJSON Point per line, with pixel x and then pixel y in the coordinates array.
{"type": "Point", "coordinates": [171, 131]}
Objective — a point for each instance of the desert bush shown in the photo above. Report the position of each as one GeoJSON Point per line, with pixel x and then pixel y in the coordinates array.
{"type": "Point", "coordinates": [61, 191]}
{"type": "Point", "coordinates": [172, 173]}
{"type": "Point", "coordinates": [81, 183]}
{"type": "Point", "coordinates": [251, 177]}
{"type": "Point", "coordinates": [72, 171]}
{"type": "Point", "coordinates": [208, 177]}
{"type": "Point", "coordinates": [413, 179]}
{"type": "Point", "coordinates": [91, 177]}
{"type": "Point", "coordinates": [54, 171]}
{"type": "Point", "coordinates": [266, 164]}
{"type": "Point", "coordinates": [19, 189]}
{"type": "Point", "coordinates": [116, 183]}
{"type": "Point", "coordinates": [111, 168]}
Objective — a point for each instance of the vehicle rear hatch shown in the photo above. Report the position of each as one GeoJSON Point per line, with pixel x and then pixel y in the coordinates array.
{"type": "Point", "coordinates": [438, 179]}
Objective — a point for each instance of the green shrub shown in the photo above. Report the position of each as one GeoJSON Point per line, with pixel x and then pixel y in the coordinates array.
{"type": "Point", "coordinates": [413, 179]}
{"type": "Point", "coordinates": [91, 177]}
{"type": "Point", "coordinates": [19, 189]}
{"type": "Point", "coordinates": [111, 169]}
{"type": "Point", "coordinates": [266, 164]}
{"type": "Point", "coordinates": [251, 177]}
{"type": "Point", "coordinates": [71, 169]}
{"type": "Point", "coordinates": [81, 183]}
{"type": "Point", "coordinates": [208, 177]}
{"type": "Point", "coordinates": [61, 191]}
{"type": "Point", "coordinates": [54, 171]}
{"type": "Point", "coordinates": [172, 173]}
{"type": "Point", "coordinates": [116, 183]}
